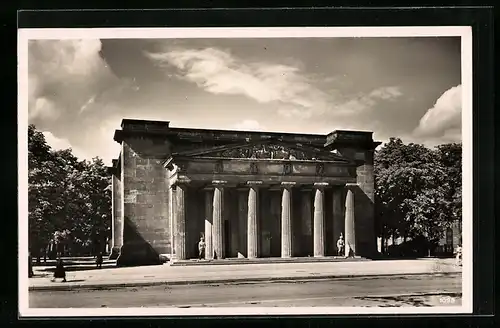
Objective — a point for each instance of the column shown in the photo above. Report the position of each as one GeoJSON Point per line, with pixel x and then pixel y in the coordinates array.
{"type": "Point", "coordinates": [252, 220]}
{"type": "Point", "coordinates": [218, 220]}
{"type": "Point", "coordinates": [319, 218]}
{"type": "Point", "coordinates": [180, 222]}
{"type": "Point", "coordinates": [338, 217]}
{"type": "Point", "coordinates": [286, 220]}
{"type": "Point", "coordinates": [117, 217]}
{"type": "Point", "coordinates": [209, 249]}
{"type": "Point", "coordinates": [172, 213]}
{"type": "Point", "coordinates": [350, 231]}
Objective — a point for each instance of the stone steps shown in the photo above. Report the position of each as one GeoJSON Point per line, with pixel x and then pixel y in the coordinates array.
{"type": "Point", "coordinates": [272, 260]}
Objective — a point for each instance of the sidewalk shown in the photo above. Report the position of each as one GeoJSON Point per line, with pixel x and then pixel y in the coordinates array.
{"type": "Point", "coordinates": [165, 274]}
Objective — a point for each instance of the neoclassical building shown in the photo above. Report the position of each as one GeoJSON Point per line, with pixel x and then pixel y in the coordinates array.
{"type": "Point", "coordinates": [250, 194]}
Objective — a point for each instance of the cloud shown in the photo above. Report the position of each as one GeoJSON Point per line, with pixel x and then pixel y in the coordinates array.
{"type": "Point", "coordinates": [219, 72]}
{"type": "Point", "coordinates": [444, 118]}
{"type": "Point", "coordinates": [294, 93]}
{"type": "Point", "coordinates": [249, 125]}
{"type": "Point", "coordinates": [102, 136]}
{"type": "Point", "coordinates": [73, 93]}
{"type": "Point", "coordinates": [61, 144]}
{"type": "Point", "coordinates": [294, 112]}
{"type": "Point", "coordinates": [362, 102]}
{"type": "Point", "coordinates": [65, 77]}
{"type": "Point", "coordinates": [386, 93]}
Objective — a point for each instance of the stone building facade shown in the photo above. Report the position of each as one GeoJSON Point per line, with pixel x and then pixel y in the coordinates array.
{"type": "Point", "coordinates": [250, 194]}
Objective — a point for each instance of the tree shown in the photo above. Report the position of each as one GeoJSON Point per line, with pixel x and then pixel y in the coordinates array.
{"type": "Point", "coordinates": [40, 185]}
{"type": "Point", "coordinates": [69, 200]}
{"type": "Point", "coordinates": [449, 157]}
{"type": "Point", "coordinates": [417, 189]}
{"type": "Point", "coordinates": [96, 200]}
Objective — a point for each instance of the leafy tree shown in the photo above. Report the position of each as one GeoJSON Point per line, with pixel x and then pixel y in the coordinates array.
{"type": "Point", "coordinates": [69, 200]}
{"type": "Point", "coordinates": [449, 157]}
{"type": "Point", "coordinates": [40, 190]}
{"type": "Point", "coordinates": [417, 189]}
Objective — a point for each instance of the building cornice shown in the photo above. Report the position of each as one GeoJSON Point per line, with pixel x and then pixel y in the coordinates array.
{"type": "Point", "coordinates": [162, 129]}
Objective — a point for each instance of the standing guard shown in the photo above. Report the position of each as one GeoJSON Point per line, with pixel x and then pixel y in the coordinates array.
{"type": "Point", "coordinates": [340, 245]}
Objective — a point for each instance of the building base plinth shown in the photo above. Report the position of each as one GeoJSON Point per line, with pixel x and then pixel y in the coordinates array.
{"type": "Point", "coordinates": [137, 255]}
{"type": "Point", "coordinates": [268, 260]}
{"type": "Point", "coordinates": [115, 252]}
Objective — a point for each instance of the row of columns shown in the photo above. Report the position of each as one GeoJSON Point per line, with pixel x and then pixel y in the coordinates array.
{"type": "Point", "coordinates": [214, 229]}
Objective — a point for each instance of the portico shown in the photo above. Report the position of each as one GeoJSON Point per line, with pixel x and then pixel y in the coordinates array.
{"type": "Point", "coordinates": [260, 207]}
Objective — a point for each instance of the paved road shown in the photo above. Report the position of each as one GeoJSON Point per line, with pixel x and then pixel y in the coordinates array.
{"type": "Point", "coordinates": [383, 291]}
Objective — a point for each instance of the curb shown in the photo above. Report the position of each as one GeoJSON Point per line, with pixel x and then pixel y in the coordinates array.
{"type": "Point", "coordinates": [221, 281]}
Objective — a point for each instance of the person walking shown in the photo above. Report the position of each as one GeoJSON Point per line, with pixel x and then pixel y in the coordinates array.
{"type": "Point", "coordinates": [458, 255]}
{"type": "Point", "coordinates": [99, 260]}
{"type": "Point", "coordinates": [60, 271]}
{"type": "Point", "coordinates": [30, 266]}
{"type": "Point", "coordinates": [201, 248]}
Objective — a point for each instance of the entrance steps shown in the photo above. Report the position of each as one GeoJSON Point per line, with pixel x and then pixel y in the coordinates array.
{"type": "Point", "coordinates": [266, 260]}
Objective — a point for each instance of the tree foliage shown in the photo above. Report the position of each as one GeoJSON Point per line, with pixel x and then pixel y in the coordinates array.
{"type": "Point", "coordinates": [418, 190]}
{"type": "Point", "coordinates": [69, 201]}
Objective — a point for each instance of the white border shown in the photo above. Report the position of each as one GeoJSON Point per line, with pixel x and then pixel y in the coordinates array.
{"type": "Point", "coordinates": [302, 32]}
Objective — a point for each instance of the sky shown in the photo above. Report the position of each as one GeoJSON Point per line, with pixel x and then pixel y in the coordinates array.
{"type": "Point", "coordinates": [80, 90]}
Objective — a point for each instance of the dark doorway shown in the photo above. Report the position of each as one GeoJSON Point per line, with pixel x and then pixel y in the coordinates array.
{"type": "Point", "coordinates": [227, 238]}
{"type": "Point", "coordinates": [275, 223]}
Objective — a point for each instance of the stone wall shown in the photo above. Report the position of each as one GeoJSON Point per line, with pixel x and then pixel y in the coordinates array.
{"type": "Point", "coordinates": [146, 200]}
{"type": "Point", "coordinates": [364, 207]}
{"type": "Point", "coordinates": [364, 197]}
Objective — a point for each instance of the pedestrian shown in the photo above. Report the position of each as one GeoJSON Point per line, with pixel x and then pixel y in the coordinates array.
{"type": "Point", "coordinates": [44, 252]}
{"type": "Point", "coordinates": [458, 255]}
{"type": "Point", "coordinates": [99, 260]}
{"type": "Point", "coordinates": [201, 248]}
{"type": "Point", "coordinates": [60, 271]}
{"type": "Point", "coordinates": [30, 266]}
{"type": "Point", "coordinates": [340, 245]}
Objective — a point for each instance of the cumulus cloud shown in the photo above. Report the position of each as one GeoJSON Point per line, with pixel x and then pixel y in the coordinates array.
{"type": "Point", "coordinates": [101, 138]}
{"type": "Point", "coordinates": [295, 93]}
{"type": "Point", "coordinates": [444, 118]}
{"type": "Point", "coordinates": [68, 77]}
{"type": "Point", "coordinates": [61, 144]}
{"type": "Point", "coordinates": [72, 92]}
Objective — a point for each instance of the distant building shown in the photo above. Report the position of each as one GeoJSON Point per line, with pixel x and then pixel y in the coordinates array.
{"type": "Point", "coordinates": [451, 239]}
{"type": "Point", "coordinates": [250, 194]}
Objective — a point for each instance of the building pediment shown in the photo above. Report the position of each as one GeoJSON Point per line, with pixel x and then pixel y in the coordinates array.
{"type": "Point", "coordinates": [266, 150]}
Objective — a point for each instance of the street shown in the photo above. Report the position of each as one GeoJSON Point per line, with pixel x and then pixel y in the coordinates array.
{"type": "Point", "coordinates": [439, 290]}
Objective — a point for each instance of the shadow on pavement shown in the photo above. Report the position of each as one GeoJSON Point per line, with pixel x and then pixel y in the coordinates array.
{"type": "Point", "coordinates": [75, 280]}
{"type": "Point", "coordinates": [412, 300]}
{"type": "Point", "coordinates": [40, 275]}
{"type": "Point", "coordinates": [79, 268]}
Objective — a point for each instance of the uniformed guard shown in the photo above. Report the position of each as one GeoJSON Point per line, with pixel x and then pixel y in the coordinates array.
{"type": "Point", "coordinates": [340, 245]}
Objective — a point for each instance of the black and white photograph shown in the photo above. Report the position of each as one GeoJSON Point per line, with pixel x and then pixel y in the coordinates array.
{"type": "Point", "coordinates": [213, 171]}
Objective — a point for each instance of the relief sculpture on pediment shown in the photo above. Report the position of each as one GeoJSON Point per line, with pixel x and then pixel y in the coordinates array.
{"type": "Point", "coordinates": [265, 151]}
